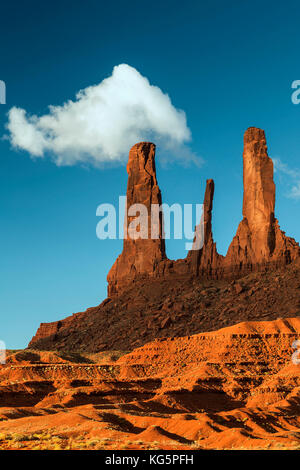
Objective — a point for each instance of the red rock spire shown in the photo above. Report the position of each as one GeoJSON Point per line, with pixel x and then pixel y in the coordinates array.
{"type": "Point", "coordinates": [205, 260]}
{"type": "Point", "coordinates": [257, 243]}
{"type": "Point", "coordinates": [258, 240]}
{"type": "Point", "coordinates": [139, 256]}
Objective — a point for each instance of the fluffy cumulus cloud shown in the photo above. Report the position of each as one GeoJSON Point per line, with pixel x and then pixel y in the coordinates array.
{"type": "Point", "coordinates": [103, 122]}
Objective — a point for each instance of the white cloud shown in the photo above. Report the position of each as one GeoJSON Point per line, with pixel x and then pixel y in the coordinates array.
{"type": "Point", "coordinates": [293, 184]}
{"type": "Point", "coordinates": [103, 122]}
{"type": "Point", "coordinates": [284, 168]}
{"type": "Point", "coordinates": [295, 191]}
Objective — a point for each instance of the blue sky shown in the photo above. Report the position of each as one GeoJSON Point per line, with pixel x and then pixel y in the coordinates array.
{"type": "Point", "coordinates": [227, 65]}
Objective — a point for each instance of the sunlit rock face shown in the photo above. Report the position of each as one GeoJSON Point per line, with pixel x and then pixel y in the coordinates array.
{"type": "Point", "coordinates": [139, 256]}
{"type": "Point", "coordinates": [259, 240]}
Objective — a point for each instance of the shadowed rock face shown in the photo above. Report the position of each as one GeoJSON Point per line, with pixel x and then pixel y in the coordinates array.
{"type": "Point", "coordinates": [258, 243]}
{"type": "Point", "coordinates": [206, 260]}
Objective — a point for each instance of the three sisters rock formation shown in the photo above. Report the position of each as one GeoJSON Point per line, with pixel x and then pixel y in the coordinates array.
{"type": "Point", "coordinates": [143, 280]}
{"type": "Point", "coordinates": [258, 244]}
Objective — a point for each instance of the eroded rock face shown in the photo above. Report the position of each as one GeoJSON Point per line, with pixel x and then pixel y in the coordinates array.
{"type": "Point", "coordinates": [143, 270]}
{"type": "Point", "coordinates": [258, 243]}
{"type": "Point", "coordinates": [255, 238]}
{"type": "Point", "coordinates": [259, 240]}
{"type": "Point", "coordinates": [235, 387]}
{"type": "Point", "coordinates": [159, 307]}
{"type": "Point", "coordinates": [140, 256]}
{"type": "Point", "coordinates": [206, 261]}
{"type": "Point", "coordinates": [259, 193]}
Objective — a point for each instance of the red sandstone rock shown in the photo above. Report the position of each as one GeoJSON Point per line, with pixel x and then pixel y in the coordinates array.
{"type": "Point", "coordinates": [238, 288]}
{"type": "Point", "coordinates": [233, 388]}
{"type": "Point", "coordinates": [139, 256]}
{"type": "Point", "coordinates": [206, 260]}
{"type": "Point", "coordinates": [200, 305]}
{"type": "Point", "coordinates": [259, 240]}
{"type": "Point", "coordinates": [259, 245]}
{"type": "Point", "coordinates": [166, 322]}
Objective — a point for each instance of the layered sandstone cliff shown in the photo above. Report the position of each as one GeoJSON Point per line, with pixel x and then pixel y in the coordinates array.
{"type": "Point", "coordinates": [232, 388]}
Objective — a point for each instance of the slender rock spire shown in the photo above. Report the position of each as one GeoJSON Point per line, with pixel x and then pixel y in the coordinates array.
{"type": "Point", "coordinates": [258, 240]}
{"type": "Point", "coordinates": [205, 260]}
{"type": "Point", "coordinates": [140, 256]}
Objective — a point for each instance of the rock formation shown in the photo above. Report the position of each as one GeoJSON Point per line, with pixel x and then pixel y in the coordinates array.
{"type": "Point", "coordinates": [206, 261]}
{"type": "Point", "coordinates": [140, 256]}
{"type": "Point", "coordinates": [150, 295]}
{"type": "Point", "coordinates": [259, 240]}
{"type": "Point", "coordinates": [174, 306]}
{"type": "Point", "coordinates": [145, 256]}
{"type": "Point", "coordinates": [258, 243]}
{"type": "Point", "coordinates": [233, 388]}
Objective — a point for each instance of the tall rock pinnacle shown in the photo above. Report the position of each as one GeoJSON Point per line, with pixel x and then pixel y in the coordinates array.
{"type": "Point", "coordinates": [259, 242]}
{"type": "Point", "coordinates": [206, 259]}
{"type": "Point", "coordinates": [259, 193]}
{"type": "Point", "coordinates": [259, 239]}
{"type": "Point", "coordinates": [140, 256]}
{"type": "Point", "coordinates": [207, 209]}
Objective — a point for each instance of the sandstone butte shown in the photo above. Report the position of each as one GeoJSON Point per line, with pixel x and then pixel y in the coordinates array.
{"type": "Point", "coordinates": [258, 246]}
{"type": "Point", "coordinates": [259, 242]}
